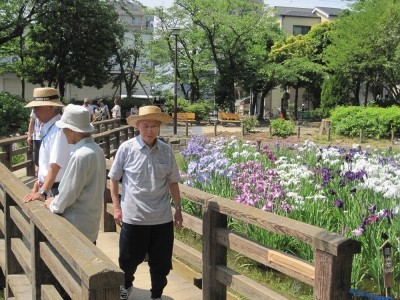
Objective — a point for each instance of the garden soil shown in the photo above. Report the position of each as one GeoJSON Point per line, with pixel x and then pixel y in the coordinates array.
{"type": "Point", "coordinates": [307, 132]}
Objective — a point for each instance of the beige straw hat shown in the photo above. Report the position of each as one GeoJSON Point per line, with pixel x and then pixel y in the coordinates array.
{"type": "Point", "coordinates": [150, 112]}
{"type": "Point", "coordinates": [45, 97]}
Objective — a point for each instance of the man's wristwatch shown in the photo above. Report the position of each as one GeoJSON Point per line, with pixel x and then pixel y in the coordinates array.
{"type": "Point", "coordinates": [43, 193]}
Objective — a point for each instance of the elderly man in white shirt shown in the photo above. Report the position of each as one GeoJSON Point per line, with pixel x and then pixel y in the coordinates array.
{"type": "Point", "coordinates": [80, 199]}
{"type": "Point", "coordinates": [54, 150]}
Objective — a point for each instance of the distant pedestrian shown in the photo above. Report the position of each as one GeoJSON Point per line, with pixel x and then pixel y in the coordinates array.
{"type": "Point", "coordinates": [105, 113]}
{"type": "Point", "coordinates": [34, 137]}
{"type": "Point", "coordinates": [134, 110]}
{"type": "Point", "coordinates": [88, 105]}
{"type": "Point", "coordinates": [116, 110]}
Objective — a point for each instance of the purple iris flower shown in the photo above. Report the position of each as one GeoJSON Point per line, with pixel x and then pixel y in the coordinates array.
{"type": "Point", "coordinates": [338, 203]}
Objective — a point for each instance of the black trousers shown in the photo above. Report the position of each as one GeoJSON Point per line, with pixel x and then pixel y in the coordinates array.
{"type": "Point", "coordinates": [155, 240]}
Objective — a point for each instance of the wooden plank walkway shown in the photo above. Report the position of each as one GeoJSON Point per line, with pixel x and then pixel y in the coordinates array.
{"type": "Point", "coordinates": [177, 289]}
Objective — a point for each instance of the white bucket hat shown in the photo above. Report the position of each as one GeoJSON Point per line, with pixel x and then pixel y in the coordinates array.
{"type": "Point", "coordinates": [45, 97]}
{"type": "Point", "coordinates": [150, 112]}
{"type": "Point", "coordinates": [76, 118]}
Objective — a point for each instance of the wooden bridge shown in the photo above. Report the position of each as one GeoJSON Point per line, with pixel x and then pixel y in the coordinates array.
{"type": "Point", "coordinates": [42, 256]}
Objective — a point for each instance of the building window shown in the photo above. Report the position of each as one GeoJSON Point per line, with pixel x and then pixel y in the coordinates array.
{"type": "Point", "coordinates": [137, 21]}
{"type": "Point", "coordinates": [297, 29]}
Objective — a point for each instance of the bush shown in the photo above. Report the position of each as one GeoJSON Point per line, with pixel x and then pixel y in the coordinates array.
{"type": "Point", "coordinates": [182, 104]}
{"type": "Point", "coordinates": [376, 122]}
{"type": "Point", "coordinates": [250, 123]}
{"type": "Point", "coordinates": [14, 117]}
{"type": "Point", "coordinates": [201, 108]}
{"type": "Point", "coordinates": [282, 127]}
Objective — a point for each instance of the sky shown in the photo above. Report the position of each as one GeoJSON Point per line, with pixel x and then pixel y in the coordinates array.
{"type": "Point", "coordinates": [294, 3]}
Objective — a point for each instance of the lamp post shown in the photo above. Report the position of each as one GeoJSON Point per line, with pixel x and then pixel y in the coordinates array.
{"type": "Point", "coordinates": [175, 32]}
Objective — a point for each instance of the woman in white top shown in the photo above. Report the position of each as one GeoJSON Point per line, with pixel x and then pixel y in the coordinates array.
{"type": "Point", "coordinates": [116, 110]}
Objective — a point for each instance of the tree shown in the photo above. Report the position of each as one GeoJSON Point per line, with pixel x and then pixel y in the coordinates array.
{"type": "Point", "coordinates": [226, 28]}
{"type": "Point", "coordinates": [16, 16]}
{"type": "Point", "coordinates": [72, 44]}
{"type": "Point", "coordinates": [366, 43]}
{"type": "Point", "coordinates": [128, 58]}
{"type": "Point", "coordinates": [295, 65]}
{"type": "Point", "coordinates": [194, 59]}
{"type": "Point", "coordinates": [258, 73]}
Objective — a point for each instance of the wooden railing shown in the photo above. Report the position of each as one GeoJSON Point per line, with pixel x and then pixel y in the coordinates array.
{"type": "Point", "coordinates": [43, 256]}
{"type": "Point", "coordinates": [101, 126]}
{"type": "Point", "coordinates": [329, 275]}
{"type": "Point", "coordinates": [109, 140]}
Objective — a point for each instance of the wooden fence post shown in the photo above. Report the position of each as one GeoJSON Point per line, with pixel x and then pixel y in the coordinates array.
{"type": "Point", "coordinates": [7, 158]}
{"type": "Point", "coordinates": [329, 134]}
{"type": "Point", "coordinates": [215, 128]}
{"type": "Point", "coordinates": [332, 275]}
{"type": "Point", "coordinates": [298, 133]}
{"type": "Point", "coordinates": [392, 140]}
{"type": "Point", "coordinates": [187, 129]}
{"type": "Point", "coordinates": [213, 253]}
{"type": "Point", "coordinates": [361, 135]}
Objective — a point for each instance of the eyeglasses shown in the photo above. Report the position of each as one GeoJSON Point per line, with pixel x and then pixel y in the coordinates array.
{"type": "Point", "coordinates": [150, 127]}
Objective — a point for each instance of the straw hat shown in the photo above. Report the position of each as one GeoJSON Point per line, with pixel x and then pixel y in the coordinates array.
{"type": "Point", "coordinates": [150, 112]}
{"type": "Point", "coordinates": [45, 97]}
{"type": "Point", "coordinates": [76, 118]}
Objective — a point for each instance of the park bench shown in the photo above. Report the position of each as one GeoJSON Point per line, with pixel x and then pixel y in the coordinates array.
{"type": "Point", "coordinates": [224, 117]}
{"type": "Point", "coordinates": [187, 117]}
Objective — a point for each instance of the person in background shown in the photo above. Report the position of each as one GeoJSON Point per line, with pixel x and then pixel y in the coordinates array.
{"type": "Point", "coordinates": [54, 150]}
{"type": "Point", "coordinates": [34, 137]}
{"type": "Point", "coordinates": [150, 176]}
{"type": "Point", "coordinates": [80, 199]}
{"type": "Point", "coordinates": [116, 110]}
{"type": "Point", "coordinates": [105, 113]}
{"type": "Point", "coordinates": [134, 110]}
{"type": "Point", "coordinates": [97, 113]}
{"type": "Point", "coordinates": [88, 105]}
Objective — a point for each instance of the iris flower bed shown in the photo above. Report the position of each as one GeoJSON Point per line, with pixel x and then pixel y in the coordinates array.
{"type": "Point", "coordinates": [354, 192]}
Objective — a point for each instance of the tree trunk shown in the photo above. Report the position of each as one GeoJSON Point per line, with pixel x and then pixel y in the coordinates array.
{"type": "Point", "coordinates": [296, 102]}
{"type": "Point", "coordinates": [366, 94]}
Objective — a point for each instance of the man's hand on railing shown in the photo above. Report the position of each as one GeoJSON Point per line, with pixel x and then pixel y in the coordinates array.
{"type": "Point", "coordinates": [33, 196]}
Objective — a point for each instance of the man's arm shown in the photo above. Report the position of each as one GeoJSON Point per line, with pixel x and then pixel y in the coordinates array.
{"type": "Point", "coordinates": [30, 129]}
{"type": "Point", "coordinates": [114, 190]}
{"type": "Point", "coordinates": [176, 196]}
{"type": "Point", "coordinates": [46, 186]}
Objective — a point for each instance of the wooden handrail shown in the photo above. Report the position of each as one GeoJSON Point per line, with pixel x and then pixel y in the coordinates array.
{"type": "Point", "coordinates": [108, 140]}
{"type": "Point", "coordinates": [333, 253]}
{"type": "Point", "coordinates": [43, 250]}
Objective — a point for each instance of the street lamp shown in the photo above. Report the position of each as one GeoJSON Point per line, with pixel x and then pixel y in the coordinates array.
{"type": "Point", "coordinates": [175, 32]}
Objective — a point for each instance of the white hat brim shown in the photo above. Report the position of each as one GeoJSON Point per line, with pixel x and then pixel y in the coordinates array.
{"type": "Point", "coordinates": [61, 124]}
